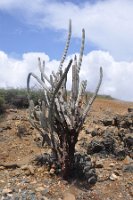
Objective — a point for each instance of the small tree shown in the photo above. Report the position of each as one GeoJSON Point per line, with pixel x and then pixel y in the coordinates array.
{"type": "Point", "coordinates": [59, 117]}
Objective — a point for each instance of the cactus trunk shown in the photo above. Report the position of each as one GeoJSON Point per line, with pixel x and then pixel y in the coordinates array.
{"type": "Point", "coordinates": [68, 150]}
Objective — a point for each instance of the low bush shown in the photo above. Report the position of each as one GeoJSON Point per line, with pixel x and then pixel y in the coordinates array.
{"type": "Point", "coordinates": [2, 105]}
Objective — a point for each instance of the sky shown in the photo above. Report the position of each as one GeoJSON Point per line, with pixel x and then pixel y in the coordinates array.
{"type": "Point", "coordinates": [31, 29]}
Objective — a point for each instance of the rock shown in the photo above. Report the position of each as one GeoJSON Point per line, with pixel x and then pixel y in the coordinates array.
{"type": "Point", "coordinates": [113, 177]}
{"type": "Point", "coordinates": [69, 196]}
{"type": "Point", "coordinates": [92, 180]}
{"type": "Point", "coordinates": [130, 110]}
{"type": "Point", "coordinates": [52, 171]}
{"type": "Point", "coordinates": [117, 173]}
{"type": "Point", "coordinates": [42, 159]}
{"type": "Point", "coordinates": [21, 130]}
{"type": "Point", "coordinates": [6, 191]}
{"type": "Point", "coordinates": [39, 189]}
{"type": "Point", "coordinates": [94, 133]}
{"type": "Point", "coordinates": [95, 147]}
{"type": "Point", "coordinates": [90, 173]}
{"type": "Point", "coordinates": [1, 130]}
{"type": "Point", "coordinates": [108, 143]}
{"type": "Point", "coordinates": [99, 164]}
{"type": "Point", "coordinates": [127, 160]}
{"type": "Point", "coordinates": [107, 122]}
{"type": "Point", "coordinates": [87, 131]}
{"type": "Point", "coordinates": [111, 164]}
{"type": "Point", "coordinates": [87, 168]}
{"type": "Point", "coordinates": [30, 169]}
{"type": "Point", "coordinates": [45, 191]}
{"type": "Point", "coordinates": [128, 141]}
{"type": "Point", "coordinates": [13, 110]}
{"type": "Point", "coordinates": [87, 158]}
{"type": "Point", "coordinates": [120, 153]}
{"type": "Point", "coordinates": [121, 133]}
{"type": "Point", "coordinates": [128, 168]}
{"type": "Point", "coordinates": [123, 124]}
{"type": "Point", "coordinates": [23, 167]}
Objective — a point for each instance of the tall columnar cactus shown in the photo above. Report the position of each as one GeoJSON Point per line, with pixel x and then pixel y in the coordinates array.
{"type": "Point", "coordinates": [58, 116]}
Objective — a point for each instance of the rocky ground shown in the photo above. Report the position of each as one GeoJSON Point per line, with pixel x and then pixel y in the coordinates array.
{"type": "Point", "coordinates": [106, 137]}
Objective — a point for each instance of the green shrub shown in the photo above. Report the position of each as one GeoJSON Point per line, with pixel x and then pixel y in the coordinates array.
{"type": "Point", "coordinates": [2, 105]}
{"type": "Point", "coordinates": [11, 96]}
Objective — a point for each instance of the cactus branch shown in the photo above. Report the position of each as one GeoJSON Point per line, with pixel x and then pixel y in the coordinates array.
{"type": "Point", "coordinates": [41, 68]}
{"type": "Point", "coordinates": [93, 97]}
{"type": "Point", "coordinates": [67, 46]}
{"type": "Point", "coordinates": [81, 50]}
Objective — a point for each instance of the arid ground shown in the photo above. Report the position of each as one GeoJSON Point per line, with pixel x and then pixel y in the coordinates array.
{"type": "Point", "coordinates": [20, 143]}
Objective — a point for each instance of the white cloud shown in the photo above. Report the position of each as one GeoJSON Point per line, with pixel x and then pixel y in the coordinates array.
{"type": "Point", "coordinates": [117, 79]}
{"type": "Point", "coordinates": [108, 23]}
{"type": "Point", "coordinates": [14, 72]}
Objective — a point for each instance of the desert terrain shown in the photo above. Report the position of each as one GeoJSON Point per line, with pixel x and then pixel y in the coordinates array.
{"type": "Point", "coordinates": [20, 143]}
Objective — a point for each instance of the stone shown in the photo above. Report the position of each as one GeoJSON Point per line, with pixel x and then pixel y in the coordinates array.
{"type": "Point", "coordinates": [95, 147]}
{"type": "Point", "coordinates": [52, 171]}
{"type": "Point", "coordinates": [13, 110]}
{"type": "Point", "coordinates": [87, 131]}
{"type": "Point", "coordinates": [30, 169]}
{"type": "Point", "coordinates": [1, 130]}
{"type": "Point", "coordinates": [98, 164]}
{"type": "Point", "coordinates": [87, 158]}
{"type": "Point", "coordinates": [92, 180]}
{"type": "Point", "coordinates": [123, 124]}
{"type": "Point", "coordinates": [10, 195]}
{"type": "Point", "coordinates": [107, 122]}
{"type": "Point", "coordinates": [113, 177]}
{"type": "Point", "coordinates": [90, 173]}
{"type": "Point", "coordinates": [111, 164]}
{"type": "Point", "coordinates": [120, 153]}
{"type": "Point", "coordinates": [1, 168]}
{"type": "Point", "coordinates": [87, 168]}
{"type": "Point", "coordinates": [117, 173]}
{"type": "Point", "coordinates": [108, 143]}
{"type": "Point", "coordinates": [130, 110]}
{"type": "Point", "coordinates": [127, 160]}
{"type": "Point", "coordinates": [128, 141]}
{"type": "Point", "coordinates": [23, 167]}
{"type": "Point", "coordinates": [45, 191]}
{"type": "Point", "coordinates": [128, 168]}
{"type": "Point", "coordinates": [6, 191]}
{"type": "Point", "coordinates": [94, 133]}
{"type": "Point", "coordinates": [39, 189]}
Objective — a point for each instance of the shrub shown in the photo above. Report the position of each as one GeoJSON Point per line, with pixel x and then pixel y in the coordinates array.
{"type": "Point", "coordinates": [2, 105]}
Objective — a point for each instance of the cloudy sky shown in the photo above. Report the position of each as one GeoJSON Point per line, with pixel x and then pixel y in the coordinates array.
{"type": "Point", "coordinates": [31, 29]}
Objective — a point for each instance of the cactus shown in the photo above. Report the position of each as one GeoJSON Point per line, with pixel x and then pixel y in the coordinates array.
{"type": "Point", "coordinates": [60, 116]}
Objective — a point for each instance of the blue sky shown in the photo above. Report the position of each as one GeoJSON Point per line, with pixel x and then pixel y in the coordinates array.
{"type": "Point", "coordinates": [18, 37]}
{"type": "Point", "coordinates": [29, 29]}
